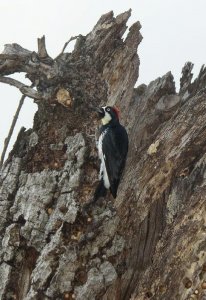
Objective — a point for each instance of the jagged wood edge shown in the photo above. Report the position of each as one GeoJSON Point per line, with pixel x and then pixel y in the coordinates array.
{"type": "Point", "coordinates": [27, 91]}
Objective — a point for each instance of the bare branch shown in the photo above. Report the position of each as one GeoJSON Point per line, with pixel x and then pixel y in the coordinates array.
{"type": "Point", "coordinates": [24, 89]}
{"type": "Point", "coordinates": [17, 59]}
{"type": "Point", "coordinates": [31, 93]}
{"type": "Point", "coordinates": [42, 52]}
{"type": "Point", "coordinates": [13, 62]}
{"type": "Point", "coordinates": [8, 138]}
{"type": "Point", "coordinates": [11, 81]}
{"type": "Point", "coordinates": [13, 124]}
{"type": "Point", "coordinates": [4, 56]}
{"type": "Point", "coordinates": [66, 44]}
{"type": "Point", "coordinates": [15, 49]}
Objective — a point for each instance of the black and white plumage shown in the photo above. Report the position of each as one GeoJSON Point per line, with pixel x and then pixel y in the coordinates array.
{"type": "Point", "coordinates": [112, 148]}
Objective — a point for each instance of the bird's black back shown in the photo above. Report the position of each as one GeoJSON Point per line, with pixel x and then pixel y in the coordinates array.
{"type": "Point", "coordinates": [115, 148]}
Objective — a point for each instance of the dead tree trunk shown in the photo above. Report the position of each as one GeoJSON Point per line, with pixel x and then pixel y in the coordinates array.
{"type": "Point", "coordinates": [150, 241]}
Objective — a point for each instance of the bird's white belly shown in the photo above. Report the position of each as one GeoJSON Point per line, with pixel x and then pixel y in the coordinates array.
{"type": "Point", "coordinates": [103, 172]}
{"type": "Point", "coordinates": [100, 143]}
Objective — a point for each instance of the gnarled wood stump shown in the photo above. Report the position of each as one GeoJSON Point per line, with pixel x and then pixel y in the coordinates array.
{"type": "Point", "coordinates": [150, 241]}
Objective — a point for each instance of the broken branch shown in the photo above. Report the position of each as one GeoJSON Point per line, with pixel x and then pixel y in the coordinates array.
{"type": "Point", "coordinates": [13, 124]}
{"type": "Point", "coordinates": [42, 52]}
{"type": "Point", "coordinates": [67, 43]}
{"type": "Point", "coordinates": [24, 89]}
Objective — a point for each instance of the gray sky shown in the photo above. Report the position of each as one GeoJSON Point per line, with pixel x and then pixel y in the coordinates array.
{"type": "Point", "coordinates": [173, 33]}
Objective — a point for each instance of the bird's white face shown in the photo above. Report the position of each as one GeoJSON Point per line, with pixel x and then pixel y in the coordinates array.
{"type": "Point", "coordinates": [107, 117]}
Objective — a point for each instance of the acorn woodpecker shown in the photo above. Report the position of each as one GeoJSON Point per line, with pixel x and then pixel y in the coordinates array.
{"type": "Point", "coordinates": [112, 148]}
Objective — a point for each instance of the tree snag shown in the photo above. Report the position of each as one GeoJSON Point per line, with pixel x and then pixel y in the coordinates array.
{"type": "Point", "coordinates": [150, 241]}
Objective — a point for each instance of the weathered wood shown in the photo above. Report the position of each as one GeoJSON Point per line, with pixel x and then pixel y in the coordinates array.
{"type": "Point", "coordinates": [8, 138]}
{"type": "Point", "coordinates": [150, 241]}
{"type": "Point", "coordinates": [26, 90]}
{"type": "Point", "coordinates": [67, 43]}
{"type": "Point", "coordinates": [42, 52]}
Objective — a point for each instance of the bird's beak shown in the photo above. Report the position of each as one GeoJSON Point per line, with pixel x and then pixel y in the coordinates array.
{"type": "Point", "coordinates": [100, 111]}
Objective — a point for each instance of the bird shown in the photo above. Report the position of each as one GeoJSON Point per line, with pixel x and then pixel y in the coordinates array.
{"type": "Point", "coordinates": [112, 149]}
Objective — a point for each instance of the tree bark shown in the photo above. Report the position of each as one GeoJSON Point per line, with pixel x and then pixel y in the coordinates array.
{"type": "Point", "coordinates": [150, 241]}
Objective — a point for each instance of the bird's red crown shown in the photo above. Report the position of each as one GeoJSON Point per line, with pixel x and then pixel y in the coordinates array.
{"type": "Point", "coordinates": [117, 111]}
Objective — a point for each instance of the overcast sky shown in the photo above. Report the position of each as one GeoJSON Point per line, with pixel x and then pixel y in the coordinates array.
{"type": "Point", "coordinates": [173, 33]}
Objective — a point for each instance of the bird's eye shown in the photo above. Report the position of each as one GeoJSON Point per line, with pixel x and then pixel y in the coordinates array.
{"type": "Point", "coordinates": [108, 109]}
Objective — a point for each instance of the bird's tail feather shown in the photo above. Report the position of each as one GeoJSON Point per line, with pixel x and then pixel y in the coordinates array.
{"type": "Point", "coordinates": [100, 191]}
{"type": "Point", "coordinates": [114, 187]}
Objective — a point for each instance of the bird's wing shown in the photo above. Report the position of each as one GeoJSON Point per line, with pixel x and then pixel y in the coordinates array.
{"type": "Point", "coordinates": [114, 157]}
